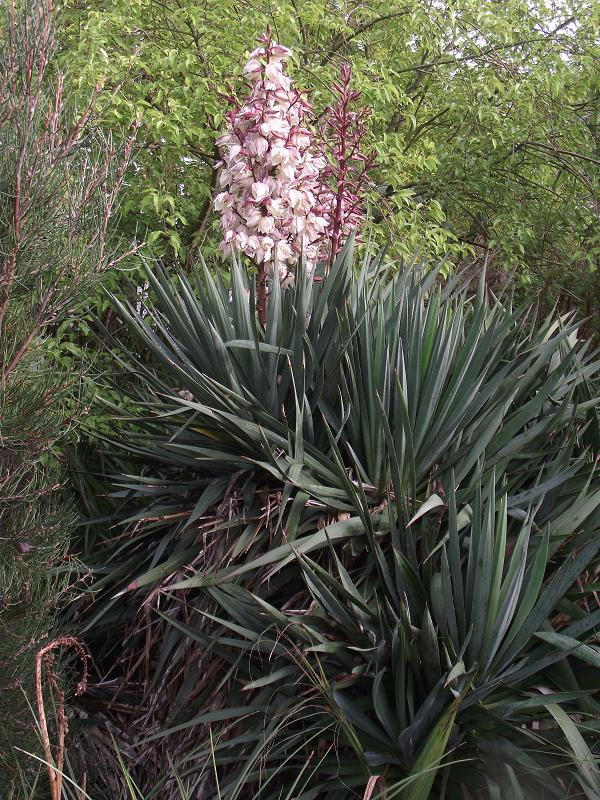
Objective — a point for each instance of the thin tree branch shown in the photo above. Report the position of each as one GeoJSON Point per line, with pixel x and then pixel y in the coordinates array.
{"type": "Point", "coordinates": [340, 41]}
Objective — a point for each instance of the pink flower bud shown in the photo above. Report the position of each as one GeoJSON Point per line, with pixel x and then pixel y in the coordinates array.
{"type": "Point", "coordinates": [279, 52]}
{"type": "Point", "coordinates": [260, 191]}
{"type": "Point", "coordinates": [276, 208]}
{"type": "Point", "coordinates": [283, 251]}
{"type": "Point", "coordinates": [280, 154]}
{"type": "Point", "coordinates": [255, 145]}
{"type": "Point", "coordinates": [241, 240]}
{"type": "Point", "coordinates": [253, 216]}
{"type": "Point", "coordinates": [266, 224]}
{"type": "Point", "coordinates": [286, 172]}
{"type": "Point", "coordinates": [223, 200]}
{"type": "Point", "coordinates": [253, 69]}
{"type": "Point", "coordinates": [274, 72]}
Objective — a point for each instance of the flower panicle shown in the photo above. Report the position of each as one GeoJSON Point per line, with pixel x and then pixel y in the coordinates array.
{"type": "Point", "coordinates": [284, 193]}
{"type": "Point", "coordinates": [345, 179]}
{"type": "Point", "coordinates": [269, 171]}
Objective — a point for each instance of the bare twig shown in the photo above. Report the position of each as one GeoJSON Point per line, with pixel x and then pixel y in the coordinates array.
{"type": "Point", "coordinates": [44, 657]}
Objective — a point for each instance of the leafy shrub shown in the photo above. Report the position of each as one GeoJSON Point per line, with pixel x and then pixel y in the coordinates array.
{"type": "Point", "coordinates": [358, 546]}
{"type": "Point", "coordinates": [58, 189]}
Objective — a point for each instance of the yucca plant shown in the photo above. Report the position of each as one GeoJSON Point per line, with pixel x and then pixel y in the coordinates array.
{"type": "Point", "coordinates": [356, 548]}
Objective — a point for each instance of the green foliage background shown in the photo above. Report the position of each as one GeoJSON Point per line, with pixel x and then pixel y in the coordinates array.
{"type": "Point", "coordinates": [485, 118]}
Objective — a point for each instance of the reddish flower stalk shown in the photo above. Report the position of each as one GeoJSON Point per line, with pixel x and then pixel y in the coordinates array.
{"type": "Point", "coordinates": [344, 180]}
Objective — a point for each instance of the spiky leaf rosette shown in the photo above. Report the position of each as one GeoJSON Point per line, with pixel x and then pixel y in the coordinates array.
{"type": "Point", "coordinates": [354, 540]}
